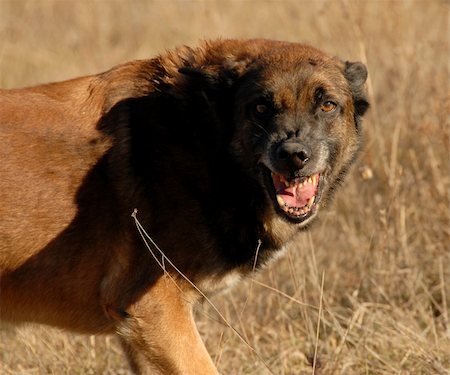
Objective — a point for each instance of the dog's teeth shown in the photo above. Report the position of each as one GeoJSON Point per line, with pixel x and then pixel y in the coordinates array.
{"type": "Point", "coordinates": [310, 202]}
{"type": "Point", "coordinates": [310, 181]}
{"type": "Point", "coordinates": [280, 201]}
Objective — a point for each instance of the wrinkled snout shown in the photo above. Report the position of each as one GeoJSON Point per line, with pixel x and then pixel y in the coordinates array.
{"type": "Point", "coordinates": [290, 156]}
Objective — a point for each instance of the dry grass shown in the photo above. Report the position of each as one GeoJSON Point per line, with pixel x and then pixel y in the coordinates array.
{"type": "Point", "coordinates": [383, 247]}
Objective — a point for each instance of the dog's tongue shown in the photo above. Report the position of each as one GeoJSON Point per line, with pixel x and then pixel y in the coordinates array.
{"type": "Point", "coordinates": [295, 195]}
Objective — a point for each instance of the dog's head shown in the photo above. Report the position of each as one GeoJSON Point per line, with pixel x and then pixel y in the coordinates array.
{"type": "Point", "coordinates": [293, 116]}
{"type": "Point", "coordinates": [267, 125]}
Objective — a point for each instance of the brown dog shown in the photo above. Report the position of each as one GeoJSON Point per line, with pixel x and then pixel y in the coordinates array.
{"type": "Point", "coordinates": [220, 148]}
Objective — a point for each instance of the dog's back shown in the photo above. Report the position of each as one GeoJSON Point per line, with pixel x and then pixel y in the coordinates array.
{"type": "Point", "coordinates": [49, 143]}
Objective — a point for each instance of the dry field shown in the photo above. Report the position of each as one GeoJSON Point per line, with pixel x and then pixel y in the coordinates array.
{"type": "Point", "coordinates": [367, 290]}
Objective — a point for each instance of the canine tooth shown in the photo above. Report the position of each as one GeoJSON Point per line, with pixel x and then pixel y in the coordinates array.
{"type": "Point", "coordinates": [311, 202]}
{"type": "Point", "coordinates": [310, 180]}
{"type": "Point", "coordinates": [280, 201]}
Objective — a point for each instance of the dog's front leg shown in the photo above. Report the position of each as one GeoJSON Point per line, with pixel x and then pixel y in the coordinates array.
{"type": "Point", "coordinates": [160, 335]}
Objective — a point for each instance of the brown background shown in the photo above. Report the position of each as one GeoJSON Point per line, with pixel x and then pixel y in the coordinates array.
{"type": "Point", "coordinates": [382, 248]}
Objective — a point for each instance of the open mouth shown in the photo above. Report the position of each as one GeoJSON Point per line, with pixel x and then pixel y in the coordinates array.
{"type": "Point", "coordinates": [296, 198]}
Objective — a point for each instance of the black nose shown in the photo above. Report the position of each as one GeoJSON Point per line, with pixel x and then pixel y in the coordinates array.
{"type": "Point", "coordinates": [293, 155]}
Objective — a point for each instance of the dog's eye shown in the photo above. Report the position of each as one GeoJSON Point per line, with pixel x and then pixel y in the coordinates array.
{"type": "Point", "coordinates": [261, 108]}
{"type": "Point", "coordinates": [328, 106]}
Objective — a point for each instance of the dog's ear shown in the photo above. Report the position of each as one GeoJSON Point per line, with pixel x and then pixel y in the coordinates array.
{"type": "Point", "coordinates": [356, 75]}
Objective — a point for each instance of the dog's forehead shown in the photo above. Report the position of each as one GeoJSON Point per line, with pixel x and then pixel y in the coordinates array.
{"type": "Point", "coordinates": [294, 80]}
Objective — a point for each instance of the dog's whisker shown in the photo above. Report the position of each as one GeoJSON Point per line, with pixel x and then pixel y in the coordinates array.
{"type": "Point", "coordinates": [261, 127]}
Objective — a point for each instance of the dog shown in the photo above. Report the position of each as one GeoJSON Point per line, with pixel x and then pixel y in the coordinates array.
{"type": "Point", "coordinates": [222, 153]}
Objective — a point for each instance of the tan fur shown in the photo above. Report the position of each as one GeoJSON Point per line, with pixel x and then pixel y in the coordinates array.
{"type": "Point", "coordinates": [70, 254]}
